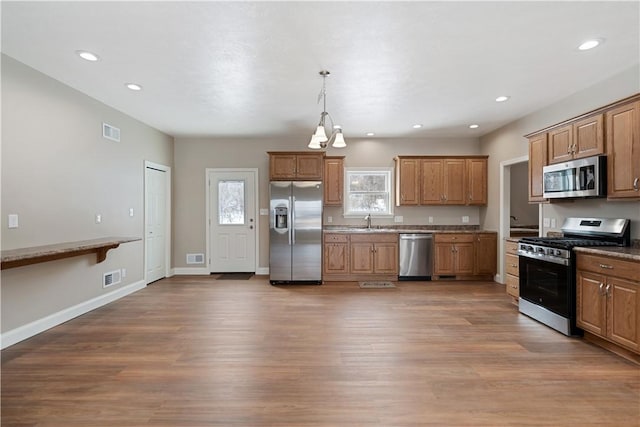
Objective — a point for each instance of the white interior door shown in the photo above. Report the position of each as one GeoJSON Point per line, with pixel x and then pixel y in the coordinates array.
{"type": "Point", "coordinates": [155, 223]}
{"type": "Point", "coordinates": [232, 221]}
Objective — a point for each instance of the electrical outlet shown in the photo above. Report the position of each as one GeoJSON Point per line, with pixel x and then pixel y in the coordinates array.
{"type": "Point", "coordinates": [545, 222]}
{"type": "Point", "coordinates": [465, 219]}
{"type": "Point", "coordinates": [131, 212]}
{"type": "Point", "coordinates": [398, 218]}
{"type": "Point", "coordinates": [430, 220]}
{"type": "Point", "coordinates": [98, 218]}
{"type": "Point", "coordinates": [264, 212]}
{"type": "Point", "coordinates": [329, 219]}
{"type": "Point", "coordinates": [13, 221]}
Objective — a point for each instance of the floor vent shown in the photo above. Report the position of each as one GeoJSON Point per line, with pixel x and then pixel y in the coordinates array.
{"type": "Point", "coordinates": [110, 132]}
{"type": "Point", "coordinates": [195, 258]}
{"type": "Point", "coordinates": [111, 278]}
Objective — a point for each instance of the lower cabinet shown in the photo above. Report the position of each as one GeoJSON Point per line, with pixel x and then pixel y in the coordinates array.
{"type": "Point", "coordinates": [608, 299]}
{"type": "Point", "coordinates": [360, 256]}
{"type": "Point", "coordinates": [465, 255]}
{"type": "Point", "coordinates": [512, 270]}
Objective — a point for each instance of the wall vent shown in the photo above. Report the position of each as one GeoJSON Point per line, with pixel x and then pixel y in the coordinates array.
{"type": "Point", "coordinates": [195, 258]}
{"type": "Point", "coordinates": [111, 278]}
{"type": "Point", "coordinates": [110, 132]}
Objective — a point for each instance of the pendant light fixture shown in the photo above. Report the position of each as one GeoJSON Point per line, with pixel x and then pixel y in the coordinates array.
{"type": "Point", "coordinates": [319, 139]}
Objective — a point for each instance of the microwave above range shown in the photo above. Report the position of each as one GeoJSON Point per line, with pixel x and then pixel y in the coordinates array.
{"type": "Point", "coordinates": [576, 178]}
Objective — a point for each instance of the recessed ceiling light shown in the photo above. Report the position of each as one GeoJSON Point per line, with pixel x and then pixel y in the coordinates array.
{"type": "Point", "coordinates": [589, 44]}
{"type": "Point", "coordinates": [502, 98]}
{"type": "Point", "coordinates": [370, 134]}
{"type": "Point", "coordinates": [133, 86]}
{"type": "Point", "coordinates": [87, 55]}
{"type": "Point", "coordinates": [417, 126]}
{"type": "Point", "coordinates": [474, 126]}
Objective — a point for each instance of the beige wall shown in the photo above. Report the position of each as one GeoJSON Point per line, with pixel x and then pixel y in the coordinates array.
{"type": "Point", "coordinates": [508, 143]}
{"type": "Point", "coordinates": [57, 173]}
{"type": "Point", "coordinates": [193, 155]}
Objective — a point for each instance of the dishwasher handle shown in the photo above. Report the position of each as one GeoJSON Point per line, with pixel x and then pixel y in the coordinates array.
{"type": "Point", "coordinates": [416, 236]}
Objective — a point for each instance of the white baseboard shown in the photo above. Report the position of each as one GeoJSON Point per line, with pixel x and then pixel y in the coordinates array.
{"type": "Point", "coordinates": [262, 271]}
{"type": "Point", "coordinates": [191, 271]}
{"type": "Point", "coordinates": [21, 333]}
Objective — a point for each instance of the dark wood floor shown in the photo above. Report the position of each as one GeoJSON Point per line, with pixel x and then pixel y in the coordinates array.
{"type": "Point", "coordinates": [194, 351]}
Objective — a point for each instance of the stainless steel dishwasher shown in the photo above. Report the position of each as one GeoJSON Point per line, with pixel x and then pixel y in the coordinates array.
{"type": "Point", "coordinates": [416, 256]}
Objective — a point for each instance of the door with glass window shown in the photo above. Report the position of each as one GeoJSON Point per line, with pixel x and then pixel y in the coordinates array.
{"type": "Point", "coordinates": [232, 221]}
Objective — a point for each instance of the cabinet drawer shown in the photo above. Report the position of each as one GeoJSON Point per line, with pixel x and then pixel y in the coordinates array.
{"type": "Point", "coordinates": [513, 285]}
{"type": "Point", "coordinates": [453, 238]}
{"type": "Point", "coordinates": [374, 237]}
{"type": "Point", "coordinates": [511, 247]}
{"type": "Point", "coordinates": [512, 264]}
{"type": "Point", "coordinates": [336, 238]}
{"type": "Point", "coordinates": [610, 266]}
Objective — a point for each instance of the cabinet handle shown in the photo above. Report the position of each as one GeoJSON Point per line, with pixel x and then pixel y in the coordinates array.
{"type": "Point", "coordinates": [635, 184]}
{"type": "Point", "coordinates": [608, 267]}
{"type": "Point", "coordinates": [601, 289]}
{"type": "Point", "coordinates": [514, 265]}
{"type": "Point", "coordinates": [607, 290]}
{"type": "Point", "coordinates": [569, 149]}
{"type": "Point", "coordinates": [573, 149]}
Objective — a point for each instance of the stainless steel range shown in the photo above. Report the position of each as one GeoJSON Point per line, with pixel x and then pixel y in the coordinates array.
{"type": "Point", "coordinates": [547, 269]}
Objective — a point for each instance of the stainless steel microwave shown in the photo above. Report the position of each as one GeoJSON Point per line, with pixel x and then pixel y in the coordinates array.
{"type": "Point", "coordinates": [576, 178]}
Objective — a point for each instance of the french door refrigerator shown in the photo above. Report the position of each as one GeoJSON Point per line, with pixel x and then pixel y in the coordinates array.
{"type": "Point", "coordinates": [295, 232]}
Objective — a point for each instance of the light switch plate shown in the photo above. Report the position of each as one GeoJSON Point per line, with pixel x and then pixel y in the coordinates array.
{"type": "Point", "coordinates": [13, 221]}
{"type": "Point", "coordinates": [465, 219]}
{"type": "Point", "coordinates": [430, 220]}
{"type": "Point", "coordinates": [98, 218]}
{"type": "Point", "coordinates": [553, 223]}
{"type": "Point", "coordinates": [264, 212]}
{"type": "Point", "coordinates": [131, 212]}
{"type": "Point", "coordinates": [398, 218]}
{"type": "Point", "coordinates": [329, 219]}
{"type": "Point", "coordinates": [545, 222]}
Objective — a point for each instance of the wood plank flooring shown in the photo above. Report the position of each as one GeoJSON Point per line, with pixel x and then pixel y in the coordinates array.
{"type": "Point", "coordinates": [195, 351]}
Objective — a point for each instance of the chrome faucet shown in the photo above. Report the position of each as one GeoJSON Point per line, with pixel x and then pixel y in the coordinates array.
{"type": "Point", "coordinates": [368, 219]}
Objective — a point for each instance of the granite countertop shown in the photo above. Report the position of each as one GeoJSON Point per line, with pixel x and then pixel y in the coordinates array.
{"type": "Point", "coordinates": [405, 229]}
{"type": "Point", "coordinates": [626, 253]}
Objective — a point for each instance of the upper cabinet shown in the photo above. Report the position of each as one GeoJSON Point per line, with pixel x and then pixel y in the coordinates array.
{"type": "Point", "coordinates": [333, 180]}
{"type": "Point", "coordinates": [301, 166]}
{"type": "Point", "coordinates": [537, 160]}
{"type": "Point", "coordinates": [429, 180]}
{"type": "Point", "coordinates": [582, 138]}
{"type": "Point", "coordinates": [623, 152]}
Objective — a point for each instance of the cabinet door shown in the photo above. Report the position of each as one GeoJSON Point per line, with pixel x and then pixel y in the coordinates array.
{"type": "Point", "coordinates": [561, 144]}
{"type": "Point", "coordinates": [336, 258]}
{"type": "Point", "coordinates": [476, 181]}
{"type": "Point", "coordinates": [464, 258]}
{"type": "Point", "coordinates": [333, 181]}
{"type": "Point", "coordinates": [623, 152]}
{"type": "Point", "coordinates": [454, 179]}
{"type": "Point", "coordinates": [309, 166]}
{"type": "Point", "coordinates": [537, 160]}
{"type": "Point", "coordinates": [486, 255]}
{"type": "Point", "coordinates": [361, 258]}
{"type": "Point", "coordinates": [408, 176]}
{"type": "Point", "coordinates": [623, 310]}
{"type": "Point", "coordinates": [282, 166]}
{"type": "Point", "coordinates": [590, 302]}
{"type": "Point", "coordinates": [443, 259]}
{"type": "Point", "coordinates": [431, 182]}
{"type": "Point", "coordinates": [588, 135]}
{"type": "Point", "coordinates": [386, 258]}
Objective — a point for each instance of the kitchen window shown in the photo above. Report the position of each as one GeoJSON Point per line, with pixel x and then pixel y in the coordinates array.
{"type": "Point", "coordinates": [368, 191]}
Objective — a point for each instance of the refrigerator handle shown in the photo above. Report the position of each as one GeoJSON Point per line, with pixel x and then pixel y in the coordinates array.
{"type": "Point", "coordinates": [289, 219]}
{"type": "Point", "coordinates": [293, 220]}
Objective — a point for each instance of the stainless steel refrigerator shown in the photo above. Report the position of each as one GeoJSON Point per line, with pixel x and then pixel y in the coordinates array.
{"type": "Point", "coordinates": [295, 232]}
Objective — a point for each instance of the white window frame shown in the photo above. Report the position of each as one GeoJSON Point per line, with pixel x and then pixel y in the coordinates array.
{"type": "Point", "coordinates": [389, 175]}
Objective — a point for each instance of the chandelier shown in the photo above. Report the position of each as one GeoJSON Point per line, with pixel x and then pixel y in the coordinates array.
{"type": "Point", "coordinates": [319, 139]}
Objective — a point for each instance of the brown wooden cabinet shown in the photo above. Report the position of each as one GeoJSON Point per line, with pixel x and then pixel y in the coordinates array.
{"type": "Point", "coordinates": [333, 180]}
{"type": "Point", "coordinates": [623, 152]}
{"type": "Point", "coordinates": [512, 269]}
{"type": "Point", "coordinates": [436, 180]}
{"type": "Point", "coordinates": [336, 254]}
{"type": "Point", "coordinates": [486, 254]}
{"type": "Point", "coordinates": [537, 160]}
{"type": "Point", "coordinates": [476, 181]}
{"type": "Point", "coordinates": [407, 182]}
{"type": "Point", "coordinates": [608, 299]}
{"type": "Point", "coordinates": [582, 138]}
{"type": "Point", "coordinates": [301, 166]}
{"type": "Point", "coordinates": [454, 254]}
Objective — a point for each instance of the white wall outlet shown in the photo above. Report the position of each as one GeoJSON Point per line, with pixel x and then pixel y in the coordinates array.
{"type": "Point", "coordinates": [98, 218]}
{"type": "Point", "coordinates": [13, 221]}
{"type": "Point", "coordinates": [545, 222]}
{"type": "Point", "coordinates": [430, 220]}
{"type": "Point", "coordinates": [131, 212]}
{"type": "Point", "coordinates": [465, 219]}
{"type": "Point", "coordinates": [124, 273]}
{"type": "Point", "coordinates": [264, 212]}
{"type": "Point", "coordinates": [398, 218]}
{"type": "Point", "coordinates": [329, 219]}
{"type": "Point", "coordinates": [553, 223]}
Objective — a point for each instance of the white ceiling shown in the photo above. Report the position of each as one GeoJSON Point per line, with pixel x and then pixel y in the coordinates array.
{"type": "Point", "coordinates": [251, 68]}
